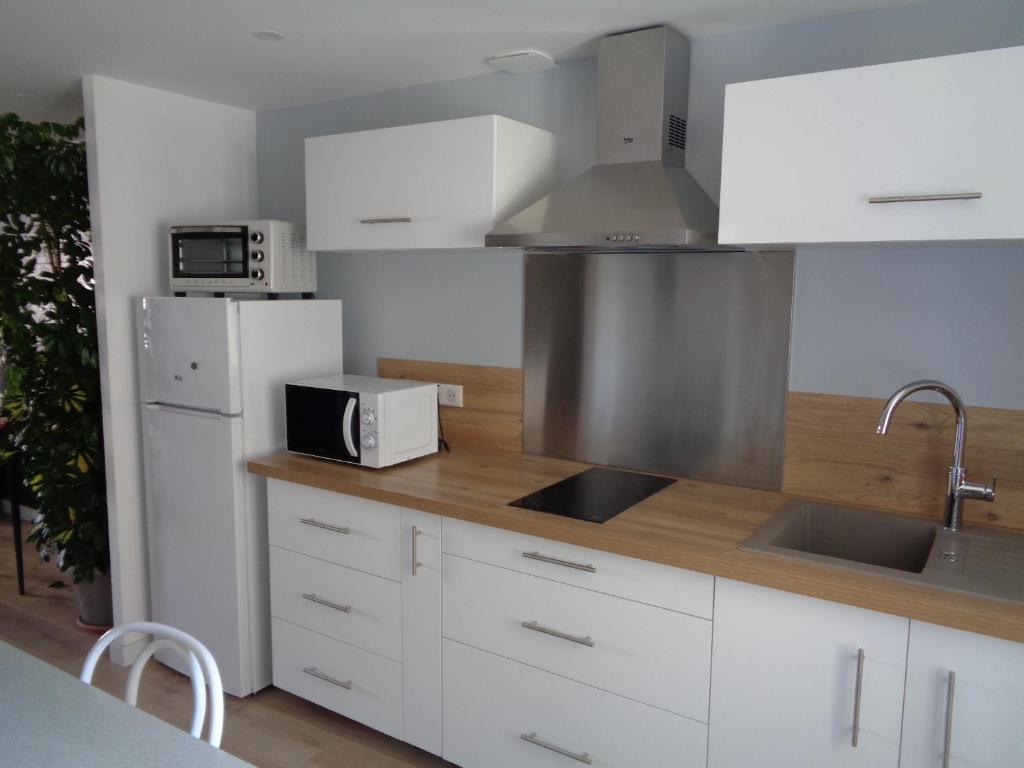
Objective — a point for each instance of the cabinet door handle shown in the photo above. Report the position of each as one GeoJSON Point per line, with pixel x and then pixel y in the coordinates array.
{"type": "Point", "coordinates": [416, 532]}
{"type": "Point", "coordinates": [326, 526]}
{"type": "Point", "coordinates": [856, 697]}
{"type": "Point", "coordinates": [315, 598]}
{"type": "Point", "coordinates": [580, 757]}
{"type": "Point", "coordinates": [555, 561]}
{"type": "Point", "coordinates": [388, 220]}
{"type": "Point", "coordinates": [925, 198]}
{"type": "Point", "coordinates": [948, 741]}
{"type": "Point", "coordinates": [555, 633]}
{"type": "Point", "coordinates": [314, 672]}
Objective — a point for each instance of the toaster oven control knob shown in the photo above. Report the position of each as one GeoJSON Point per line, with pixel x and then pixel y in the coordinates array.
{"type": "Point", "coordinates": [257, 274]}
{"type": "Point", "coordinates": [256, 255]}
{"type": "Point", "coordinates": [368, 418]}
{"type": "Point", "coordinates": [256, 237]}
{"type": "Point", "coordinates": [368, 442]}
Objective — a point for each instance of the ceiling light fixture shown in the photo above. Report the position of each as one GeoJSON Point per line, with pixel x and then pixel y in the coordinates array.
{"type": "Point", "coordinates": [267, 34]}
{"type": "Point", "coordinates": [523, 62]}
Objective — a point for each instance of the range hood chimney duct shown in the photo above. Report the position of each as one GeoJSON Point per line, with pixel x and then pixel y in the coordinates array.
{"type": "Point", "coordinates": [638, 196]}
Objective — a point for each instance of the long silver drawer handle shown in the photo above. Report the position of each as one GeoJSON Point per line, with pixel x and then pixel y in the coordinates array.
{"type": "Point", "coordinates": [555, 633]}
{"type": "Point", "coordinates": [948, 748]}
{"type": "Point", "coordinates": [925, 198]}
{"type": "Point", "coordinates": [346, 684]}
{"type": "Point", "coordinates": [388, 220]}
{"type": "Point", "coordinates": [581, 757]}
{"type": "Point", "coordinates": [555, 561]}
{"type": "Point", "coordinates": [326, 526]}
{"type": "Point", "coordinates": [856, 697]}
{"type": "Point", "coordinates": [315, 598]}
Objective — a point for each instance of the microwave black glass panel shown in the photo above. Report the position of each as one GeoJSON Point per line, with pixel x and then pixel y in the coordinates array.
{"type": "Point", "coordinates": [316, 423]}
{"type": "Point", "coordinates": [210, 254]}
{"type": "Point", "coordinates": [596, 495]}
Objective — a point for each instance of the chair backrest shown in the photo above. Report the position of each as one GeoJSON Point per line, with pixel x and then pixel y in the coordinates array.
{"type": "Point", "coordinates": [202, 670]}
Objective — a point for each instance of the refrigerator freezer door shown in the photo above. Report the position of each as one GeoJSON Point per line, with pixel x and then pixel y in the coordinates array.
{"type": "Point", "coordinates": [189, 353]}
{"type": "Point", "coordinates": [198, 559]}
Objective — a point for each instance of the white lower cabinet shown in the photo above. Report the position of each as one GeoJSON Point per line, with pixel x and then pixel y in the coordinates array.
{"type": "Point", "coordinates": [350, 681]}
{"type": "Point", "coordinates": [794, 677]}
{"type": "Point", "coordinates": [355, 596]}
{"type": "Point", "coordinates": [499, 650]}
{"type": "Point", "coordinates": [981, 714]}
{"type": "Point", "coordinates": [499, 713]}
{"type": "Point", "coordinates": [649, 654]}
{"type": "Point", "coordinates": [421, 629]}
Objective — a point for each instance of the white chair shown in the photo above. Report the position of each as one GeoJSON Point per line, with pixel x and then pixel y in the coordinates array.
{"type": "Point", "coordinates": [202, 670]}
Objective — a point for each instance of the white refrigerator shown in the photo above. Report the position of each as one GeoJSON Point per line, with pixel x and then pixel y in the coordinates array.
{"type": "Point", "coordinates": [211, 381]}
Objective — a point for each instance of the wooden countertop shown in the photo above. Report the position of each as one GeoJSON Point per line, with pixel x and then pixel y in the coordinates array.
{"type": "Point", "coordinates": [691, 525]}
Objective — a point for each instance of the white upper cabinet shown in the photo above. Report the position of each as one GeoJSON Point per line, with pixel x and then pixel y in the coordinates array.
{"type": "Point", "coordinates": [803, 683]}
{"type": "Point", "coordinates": [976, 721]}
{"type": "Point", "coordinates": [811, 158]}
{"type": "Point", "coordinates": [431, 185]}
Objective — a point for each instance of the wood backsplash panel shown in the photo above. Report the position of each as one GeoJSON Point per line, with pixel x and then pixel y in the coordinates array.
{"type": "Point", "coordinates": [833, 453]}
{"type": "Point", "coordinates": [492, 397]}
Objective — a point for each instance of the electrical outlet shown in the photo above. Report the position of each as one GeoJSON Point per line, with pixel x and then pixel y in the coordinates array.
{"type": "Point", "coordinates": [450, 395]}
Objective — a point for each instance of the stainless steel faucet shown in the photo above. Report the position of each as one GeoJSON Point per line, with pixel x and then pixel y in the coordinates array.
{"type": "Point", "coordinates": [959, 488]}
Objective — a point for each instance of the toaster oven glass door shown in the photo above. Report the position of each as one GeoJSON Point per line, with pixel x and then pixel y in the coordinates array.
{"type": "Point", "coordinates": [212, 252]}
{"type": "Point", "coordinates": [323, 422]}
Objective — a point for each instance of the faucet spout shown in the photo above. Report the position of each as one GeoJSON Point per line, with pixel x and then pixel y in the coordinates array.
{"type": "Point", "coordinates": [958, 488]}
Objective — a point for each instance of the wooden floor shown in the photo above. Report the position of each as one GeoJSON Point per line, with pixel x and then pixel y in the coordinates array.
{"type": "Point", "coordinates": [270, 729]}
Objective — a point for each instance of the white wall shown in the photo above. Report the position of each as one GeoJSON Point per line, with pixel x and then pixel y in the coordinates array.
{"type": "Point", "coordinates": [155, 158]}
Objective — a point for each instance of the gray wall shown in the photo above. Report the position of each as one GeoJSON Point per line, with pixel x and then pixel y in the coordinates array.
{"type": "Point", "coordinates": [865, 320]}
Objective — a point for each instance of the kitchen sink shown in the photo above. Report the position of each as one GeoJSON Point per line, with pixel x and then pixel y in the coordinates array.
{"type": "Point", "coordinates": [858, 535]}
{"type": "Point", "coordinates": [977, 561]}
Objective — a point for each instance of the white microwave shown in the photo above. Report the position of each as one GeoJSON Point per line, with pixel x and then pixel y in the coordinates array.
{"type": "Point", "coordinates": [262, 256]}
{"type": "Point", "coordinates": [361, 419]}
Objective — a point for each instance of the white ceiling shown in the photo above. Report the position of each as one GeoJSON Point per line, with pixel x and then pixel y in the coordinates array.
{"type": "Point", "coordinates": [332, 48]}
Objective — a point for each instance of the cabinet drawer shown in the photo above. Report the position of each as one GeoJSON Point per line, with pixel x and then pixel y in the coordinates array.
{"type": "Point", "coordinates": [612, 731]}
{"type": "Point", "coordinates": [314, 594]}
{"type": "Point", "coordinates": [639, 580]}
{"type": "Point", "coordinates": [374, 692]}
{"type": "Point", "coordinates": [655, 656]}
{"type": "Point", "coordinates": [347, 530]}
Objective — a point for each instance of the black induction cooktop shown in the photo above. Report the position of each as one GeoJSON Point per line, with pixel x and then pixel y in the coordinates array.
{"type": "Point", "coordinates": [596, 495]}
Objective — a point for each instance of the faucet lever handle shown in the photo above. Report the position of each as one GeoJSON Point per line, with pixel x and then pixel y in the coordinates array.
{"type": "Point", "coordinates": [990, 490]}
{"type": "Point", "coordinates": [979, 491]}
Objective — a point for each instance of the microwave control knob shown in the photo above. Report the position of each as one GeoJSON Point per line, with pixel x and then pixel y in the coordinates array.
{"type": "Point", "coordinates": [368, 442]}
{"type": "Point", "coordinates": [256, 255]}
{"type": "Point", "coordinates": [368, 418]}
{"type": "Point", "coordinates": [257, 274]}
{"type": "Point", "coordinates": [256, 237]}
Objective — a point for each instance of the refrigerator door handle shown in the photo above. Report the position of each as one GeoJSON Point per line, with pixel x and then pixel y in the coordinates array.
{"type": "Point", "coordinates": [346, 427]}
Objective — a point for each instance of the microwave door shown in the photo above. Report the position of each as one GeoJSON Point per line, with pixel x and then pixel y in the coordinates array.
{"type": "Point", "coordinates": [210, 252]}
{"type": "Point", "coordinates": [323, 422]}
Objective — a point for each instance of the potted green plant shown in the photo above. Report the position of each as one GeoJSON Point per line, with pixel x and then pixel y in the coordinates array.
{"type": "Point", "coordinates": [48, 332]}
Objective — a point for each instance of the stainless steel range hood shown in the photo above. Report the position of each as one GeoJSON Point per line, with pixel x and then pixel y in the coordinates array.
{"type": "Point", "coordinates": [638, 197]}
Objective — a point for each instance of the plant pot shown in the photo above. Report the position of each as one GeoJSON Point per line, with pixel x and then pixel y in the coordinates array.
{"type": "Point", "coordinates": [93, 600]}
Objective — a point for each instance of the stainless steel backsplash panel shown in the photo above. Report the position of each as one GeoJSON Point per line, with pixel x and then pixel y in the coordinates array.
{"type": "Point", "coordinates": [666, 362]}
